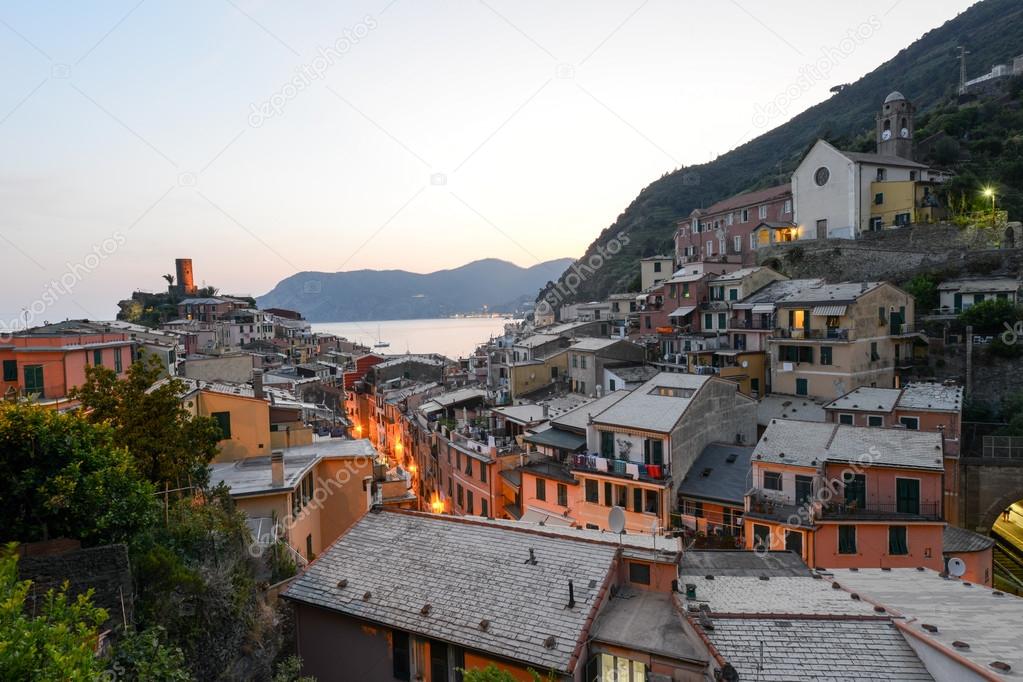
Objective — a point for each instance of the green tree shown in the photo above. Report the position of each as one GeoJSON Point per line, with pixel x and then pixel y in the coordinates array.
{"type": "Point", "coordinates": [290, 670]}
{"type": "Point", "coordinates": [925, 292]}
{"type": "Point", "coordinates": [991, 315]}
{"type": "Point", "coordinates": [494, 674]}
{"type": "Point", "coordinates": [59, 643]}
{"type": "Point", "coordinates": [167, 443]}
{"type": "Point", "coordinates": [65, 477]}
{"type": "Point", "coordinates": [144, 655]}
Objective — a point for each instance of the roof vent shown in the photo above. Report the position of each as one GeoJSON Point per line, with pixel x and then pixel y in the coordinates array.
{"type": "Point", "coordinates": [967, 584]}
{"type": "Point", "coordinates": [731, 458]}
{"type": "Point", "coordinates": [571, 595]}
{"type": "Point", "coordinates": [920, 568]}
{"type": "Point", "coordinates": [709, 577]}
{"type": "Point", "coordinates": [532, 558]}
{"type": "Point", "coordinates": [484, 625]}
{"type": "Point", "coordinates": [593, 583]}
{"type": "Point", "coordinates": [550, 642]}
{"type": "Point", "coordinates": [425, 610]}
{"type": "Point", "coordinates": [366, 596]}
{"type": "Point", "coordinates": [960, 645]}
{"type": "Point", "coordinates": [999, 665]}
{"type": "Point", "coordinates": [930, 628]}
{"type": "Point", "coordinates": [343, 583]}
{"type": "Point", "coordinates": [836, 586]}
{"type": "Point", "coordinates": [879, 609]}
{"type": "Point", "coordinates": [763, 577]}
{"type": "Point", "coordinates": [854, 596]}
{"type": "Point", "coordinates": [782, 455]}
{"type": "Point", "coordinates": [854, 569]}
{"type": "Point", "coordinates": [886, 568]}
{"type": "Point", "coordinates": [996, 593]}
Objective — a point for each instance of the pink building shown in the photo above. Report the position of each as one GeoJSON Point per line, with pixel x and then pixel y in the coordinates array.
{"type": "Point", "coordinates": [726, 228]}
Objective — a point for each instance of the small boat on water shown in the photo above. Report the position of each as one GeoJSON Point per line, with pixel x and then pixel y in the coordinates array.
{"type": "Point", "coordinates": [380, 342]}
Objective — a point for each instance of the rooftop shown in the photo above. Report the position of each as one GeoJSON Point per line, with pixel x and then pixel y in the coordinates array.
{"type": "Point", "coordinates": [931, 396]}
{"type": "Point", "coordinates": [632, 373]}
{"type": "Point", "coordinates": [980, 284]}
{"type": "Point", "coordinates": [556, 438]}
{"type": "Point", "coordinates": [866, 399]}
{"type": "Point", "coordinates": [881, 160]}
{"type": "Point", "coordinates": [646, 621]}
{"type": "Point", "coordinates": [594, 344]}
{"type": "Point", "coordinates": [578, 417]}
{"type": "Point", "coordinates": [736, 275]}
{"type": "Point", "coordinates": [537, 340]}
{"type": "Point", "coordinates": [740, 562]}
{"type": "Point", "coordinates": [394, 564]}
{"type": "Point", "coordinates": [780, 406]}
{"type": "Point", "coordinates": [800, 443]}
{"type": "Point", "coordinates": [962, 540]}
{"type": "Point", "coordinates": [759, 196]}
{"type": "Point", "coordinates": [719, 473]}
{"type": "Point", "coordinates": [983, 618]}
{"type": "Point", "coordinates": [655, 406]}
{"type": "Point", "coordinates": [843, 292]}
{"type": "Point", "coordinates": [776, 291]}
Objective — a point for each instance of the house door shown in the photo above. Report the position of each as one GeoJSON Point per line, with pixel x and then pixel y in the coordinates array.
{"type": "Point", "coordinates": [794, 541]}
{"type": "Point", "coordinates": [822, 229]}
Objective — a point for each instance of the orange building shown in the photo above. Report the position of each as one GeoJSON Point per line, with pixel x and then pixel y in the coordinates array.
{"type": "Point", "coordinates": [45, 363]}
{"type": "Point", "coordinates": [846, 496]}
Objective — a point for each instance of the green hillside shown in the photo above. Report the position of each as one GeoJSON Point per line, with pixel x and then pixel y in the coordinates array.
{"type": "Point", "coordinates": [927, 72]}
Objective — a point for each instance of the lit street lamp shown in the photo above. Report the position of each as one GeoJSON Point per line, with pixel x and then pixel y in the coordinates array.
{"type": "Point", "coordinates": [990, 192]}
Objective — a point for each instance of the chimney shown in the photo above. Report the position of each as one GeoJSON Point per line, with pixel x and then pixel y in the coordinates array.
{"type": "Point", "coordinates": [277, 468]}
{"type": "Point", "coordinates": [571, 595]}
{"type": "Point", "coordinates": [546, 411]}
{"type": "Point", "coordinates": [257, 384]}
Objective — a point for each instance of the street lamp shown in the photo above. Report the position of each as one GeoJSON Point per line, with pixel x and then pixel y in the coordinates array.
{"type": "Point", "coordinates": [990, 193]}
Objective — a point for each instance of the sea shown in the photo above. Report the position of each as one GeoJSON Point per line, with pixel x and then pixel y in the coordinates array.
{"type": "Point", "coordinates": [454, 337]}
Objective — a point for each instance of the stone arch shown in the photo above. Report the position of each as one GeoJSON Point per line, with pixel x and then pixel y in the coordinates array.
{"type": "Point", "coordinates": [1013, 237]}
{"type": "Point", "coordinates": [990, 512]}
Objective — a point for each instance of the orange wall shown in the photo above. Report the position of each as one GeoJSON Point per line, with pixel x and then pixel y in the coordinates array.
{"type": "Point", "coordinates": [924, 542]}
{"type": "Point", "coordinates": [978, 566]}
{"type": "Point", "coordinates": [881, 483]}
{"type": "Point", "coordinates": [62, 369]}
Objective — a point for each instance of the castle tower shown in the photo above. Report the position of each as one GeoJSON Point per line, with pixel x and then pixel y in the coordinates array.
{"type": "Point", "coordinates": [895, 126]}
{"type": "Point", "coordinates": [186, 284]}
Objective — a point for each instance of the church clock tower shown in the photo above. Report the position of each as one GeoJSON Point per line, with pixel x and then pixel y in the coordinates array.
{"type": "Point", "coordinates": [895, 127]}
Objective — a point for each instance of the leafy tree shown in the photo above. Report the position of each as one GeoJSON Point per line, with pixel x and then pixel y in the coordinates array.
{"type": "Point", "coordinates": [925, 291]}
{"type": "Point", "coordinates": [290, 670]}
{"type": "Point", "coordinates": [494, 674]}
{"type": "Point", "coordinates": [143, 655]}
{"type": "Point", "coordinates": [166, 441]}
{"type": "Point", "coordinates": [57, 644]}
{"type": "Point", "coordinates": [65, 477]}
{"type": "Point", "coordinates": [991, 315]}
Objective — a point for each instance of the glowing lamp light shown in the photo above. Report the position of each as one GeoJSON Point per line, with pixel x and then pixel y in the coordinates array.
{"type": "Point", "coordinates": [436, 504]}
{"type": "Point", "coordinates": [989, 192]}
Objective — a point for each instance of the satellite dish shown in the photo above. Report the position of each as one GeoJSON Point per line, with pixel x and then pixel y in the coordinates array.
{"type": "Point", "coordinates": [616, 520]}
{"type": "Point", "coordinates": [956, 567]}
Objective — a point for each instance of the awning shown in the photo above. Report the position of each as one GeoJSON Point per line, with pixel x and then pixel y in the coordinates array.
{"type": "Point", "coordinates": [556, 438]}
{"type": "Point", "coordinates": [761, 308]}
{"type": "Point", "coordinates": [545, 518]}
{"type": "Point", "coordinates": [683, 311]}
{"type": "Point", "coordinates": [829, 310]}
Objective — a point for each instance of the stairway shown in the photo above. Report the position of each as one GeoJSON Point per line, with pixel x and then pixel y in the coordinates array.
{"type": "Point", "coordinates": [1008, 565]}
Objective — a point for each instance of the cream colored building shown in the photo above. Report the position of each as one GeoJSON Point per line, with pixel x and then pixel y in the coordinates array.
{"type": "Point", "coordinates": [833, 338]}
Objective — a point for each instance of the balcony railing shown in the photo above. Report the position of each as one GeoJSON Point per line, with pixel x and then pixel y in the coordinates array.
{"type": "Point", "coordinates": [831, 334]}
{"type": "Point", "coordinates": [882, 510]}
{"type": "Point", "coordinates": [765, 325]}
{"type": "Point", "coordinates": [620, 467]}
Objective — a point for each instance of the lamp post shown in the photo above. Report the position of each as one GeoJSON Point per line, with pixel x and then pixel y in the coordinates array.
{"type": "Point", "coordinates": [990, 192]}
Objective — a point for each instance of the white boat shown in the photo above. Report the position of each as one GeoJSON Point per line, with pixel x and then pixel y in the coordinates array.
{"type": "Point", "coordinates": [380, 342]}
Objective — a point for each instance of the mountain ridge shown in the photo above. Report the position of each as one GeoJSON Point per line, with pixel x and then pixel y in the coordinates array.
{"type": "Point", "coordinates": [395, 294]}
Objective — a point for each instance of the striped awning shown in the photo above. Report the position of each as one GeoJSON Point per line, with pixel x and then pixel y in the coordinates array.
{"type": "Point", "coordinates": [829, 310]}
{"type": "Point", "coordinates": [761, 308]}
{"type": "Point", "coordinates": [682, 311]}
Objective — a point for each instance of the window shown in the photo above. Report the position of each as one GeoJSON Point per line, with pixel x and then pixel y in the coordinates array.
{"type": "Point", "coordinates": [611, 386]}
{"type": "Point", "coordinates": [582, 362]}
{"type": "Point", "coordinates": [694, 509]}
{"type": "Point", "coordinates": [897, 544]}
{"type": "Point", "coordinates": [845, 418]}
{"type": "Point", "coordinates": [911, 423]}
{"type": "Point", "coordinates": [737, 243]}
{"type": "Point", "coordinates": [882, 174]}
{"type": "Point", "coordinates": [639, 573]}
{"type": "Point", "coordinates": [685, 290]}
{"type": "Point", "coordinates": [607, 493]}
{"type": "Point", "coordinates": [653, 502]}
{"type": "Point", "coordinates": [804, 488]}
{"type": "Point", "coordinates": [802, 387]}
{"type": "Point", "coordinates": [97, 358]}
{"type": "Point", "coordinates": [117, 361]}
{"type": "Point", "coordinates": [907, 495]}
{"type": "Point", "coordinates": [733, 294]}
{"type": "Point", "coordinates": [855, 489]}
{"type": "Point", "coordinates": [876, 223]}
{"type": "Point", "coordinates": [874, 420]}
{"type": "Point", "coordinates": [460, 498]}
{"type": "Point", "coordinates": [484, 511]}
{"type": "Point", "coordinates": [745, 215]}
{"type": "Point", "coordinates": [753, 241]}
{"type": "Point", "coordinates": [653, 452]}
{"type": "Point", "coordinates": [611, 667]}
{"type": "Point", "coordinates": [575, 360]}
{"type": "Point", "coordinates": [826, 355]}
{"type": "Point", "coordinates": [874, 356]}
{"type": "Point", "coordinates": [821, 176]}
{"type": "Point", "coordinates": [309, 547]}
{"type": "Point", "coordinates": [708, 321]}
{"type": "Point", "coordinates": [622, 496]}
{"type": "Point", "coordinates": [469, 506]}
{"type": "Point", "coordinates": [224, 422]}
{"type": "Point", "coordinates": [762, 212]}
{"type": "Point", "coordinates": [794, 541]}
{"type": "Point", "coordinates": [607, 444]}
{"type": "Point", "coordinates": [591, 492]}
{"type": "Point", "coordinates": [541, 490]}
{"type": "Point", "coordinates": [468, 465]}
{"type": "Point", "coordinates": [847, 539]}
{"type": "Point", "coordinates": [788, 207]}
{"type": "Point", "coordinates": [657, 266]}
{"type": "Point", "coordinates": [483, 473]}
{"type": "Point", "coordinates": [795, 353]}
{"type": "Point", "coordinates": [710, 247]}
{"type": "Point", "coordinates": [637, 500]}
{"type": "Point", "coordinates": [879, 198]}
{"type": "Point", "coordinates": [400, 662]}
{"type": "Point", "coordinates": [10, 370]}
{"type": "Point", "coordinates": [772, 480]}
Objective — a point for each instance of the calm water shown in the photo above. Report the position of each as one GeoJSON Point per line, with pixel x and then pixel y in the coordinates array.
{"type": "Point", "coordinates": [453, 337]}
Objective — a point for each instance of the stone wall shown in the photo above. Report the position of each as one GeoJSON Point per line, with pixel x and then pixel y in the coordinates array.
{"type": "Point", "coordinates": [993, 377]}
{"type": "Point", "coordinates": [898, 255]}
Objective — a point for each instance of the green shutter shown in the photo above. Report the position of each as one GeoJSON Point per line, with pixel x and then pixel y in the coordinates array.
{"type": "Point", "coordinates": [224, 422]}
{"type": "Point", "coordinates": [10, 370]}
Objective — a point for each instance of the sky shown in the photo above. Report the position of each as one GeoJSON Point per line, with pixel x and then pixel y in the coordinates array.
{"type": "Point", "coordinates": [265, 138]}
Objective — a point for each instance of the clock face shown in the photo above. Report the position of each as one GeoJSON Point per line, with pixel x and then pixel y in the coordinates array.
{"type": "Point", "coordinates": [904, 132]}
{"type": "Point", "coordinates": [886, 135]}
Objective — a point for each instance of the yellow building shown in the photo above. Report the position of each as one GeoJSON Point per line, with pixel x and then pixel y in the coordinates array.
{"type": "Point", "coordinates": [902, 202]}
{"type": "Point", "coordinates": [530, 375]}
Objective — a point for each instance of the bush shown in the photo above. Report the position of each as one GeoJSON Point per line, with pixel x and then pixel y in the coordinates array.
{"type": "Point", "coordinates": [991, 316]}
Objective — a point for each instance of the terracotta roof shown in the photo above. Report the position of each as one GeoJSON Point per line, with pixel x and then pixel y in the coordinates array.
{"type": "Point", "coordinates": [759, 196]}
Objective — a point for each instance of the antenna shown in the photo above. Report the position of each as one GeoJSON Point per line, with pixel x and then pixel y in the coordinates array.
{"type": "Point", "coordinates": [956, 567]}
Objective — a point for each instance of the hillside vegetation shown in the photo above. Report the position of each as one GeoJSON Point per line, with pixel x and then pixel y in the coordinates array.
{"type": "Point", "coordinates": [926, 72]}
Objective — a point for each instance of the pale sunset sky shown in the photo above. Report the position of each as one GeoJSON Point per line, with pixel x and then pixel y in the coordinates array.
{"type": "Point", "coordinates": [262, 138]}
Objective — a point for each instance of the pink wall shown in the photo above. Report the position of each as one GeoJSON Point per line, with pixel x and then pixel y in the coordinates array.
{"type": "Point", "coordinates": [924, 541]}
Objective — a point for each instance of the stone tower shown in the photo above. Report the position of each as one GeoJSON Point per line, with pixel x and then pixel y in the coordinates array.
{"type": "Point", "coordinates": [186, 283]}
{"type": "Point", "coordinates": [895, 126]}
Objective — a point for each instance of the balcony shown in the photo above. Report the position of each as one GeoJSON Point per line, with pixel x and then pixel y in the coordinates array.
{"type": "Point", "coordinates": [880, 511]}
{"type": "Point", "coordinates": [762, 325]}
{"type": "Point", "coordinates": [652, 473]}
{"type": "Point", "coordinates": [830, 334]}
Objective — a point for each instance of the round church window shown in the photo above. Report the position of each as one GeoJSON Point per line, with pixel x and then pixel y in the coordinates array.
{"type": "Point", "coordinates": [822, 176]}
